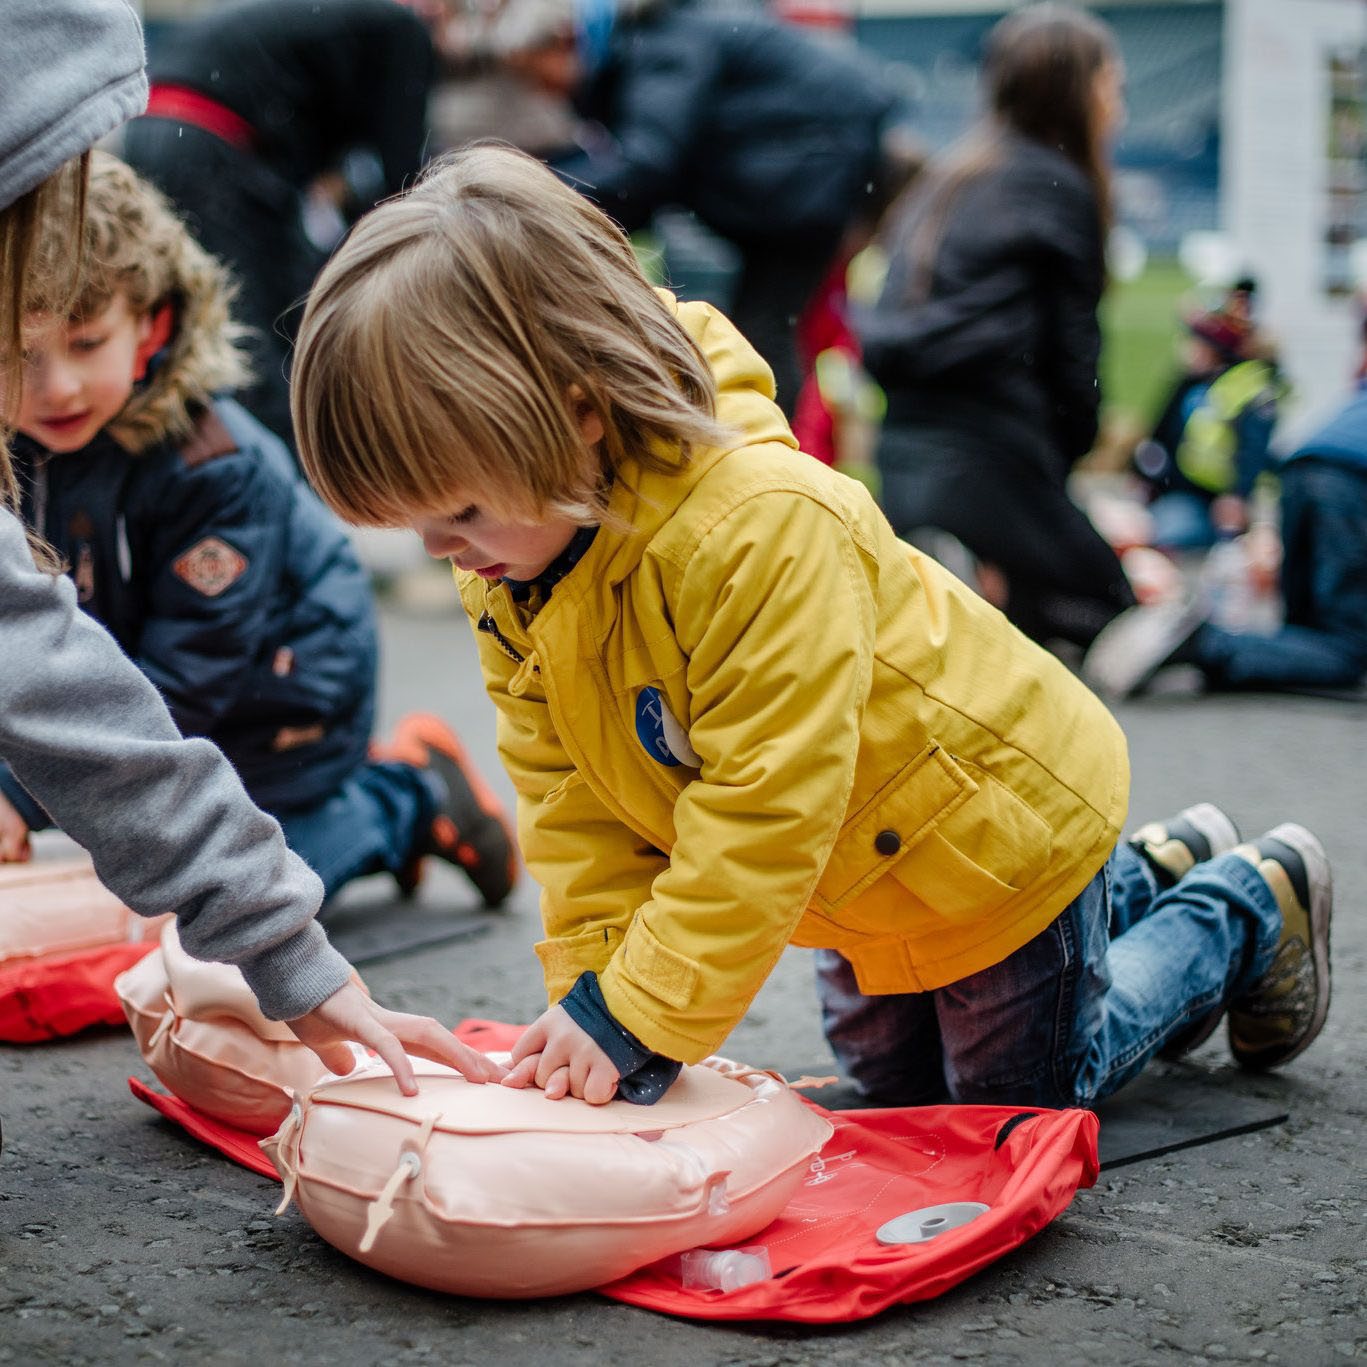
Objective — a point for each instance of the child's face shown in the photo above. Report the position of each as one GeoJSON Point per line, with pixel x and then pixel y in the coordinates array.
{"type": "Point", "coordinates": [472, 539]}
{"type": "Point", "coordinates": [79, 374]}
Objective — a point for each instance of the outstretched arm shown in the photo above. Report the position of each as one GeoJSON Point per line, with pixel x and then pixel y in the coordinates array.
{"type": "Point", "coordinates": [169, 826]}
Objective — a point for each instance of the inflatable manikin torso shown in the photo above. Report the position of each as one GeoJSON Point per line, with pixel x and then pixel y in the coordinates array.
{"type": "Point", "coordinates": [202, 1033]}
{"type": "Point", "coordinates": [64, 938]}
{"type": "Point", "coordinates": [476, 1190]}
{"type": "Point", "coordinates": [489, 1191]}
{"type": "Point", "coordinates": [56, 906]}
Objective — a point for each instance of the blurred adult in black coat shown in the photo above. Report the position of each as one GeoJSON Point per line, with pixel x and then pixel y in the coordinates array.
{"type": "Point", "coordinates": [250, 105]}
{"type": "Point", "coordinates": [985, 336]}
{"type": "Point", "coordinates": [771, 135]}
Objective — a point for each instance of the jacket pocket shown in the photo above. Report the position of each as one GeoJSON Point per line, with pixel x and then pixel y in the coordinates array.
{"type": "Point", "coordinates": [898, 817]}
{"type": "Point", "coordinates": [660, 970]}
{"type": "Point", "coordinates": [992, 847]}
{"type": "Point", "coordinates": [565, 957]}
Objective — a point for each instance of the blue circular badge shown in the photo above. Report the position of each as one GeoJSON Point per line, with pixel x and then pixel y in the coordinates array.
{"type": "Point", "coordinates": [665, 741]}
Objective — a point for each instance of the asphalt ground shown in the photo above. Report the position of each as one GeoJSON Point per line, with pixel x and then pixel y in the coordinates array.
{"type": "Point", "coordinates": [123, 1241]}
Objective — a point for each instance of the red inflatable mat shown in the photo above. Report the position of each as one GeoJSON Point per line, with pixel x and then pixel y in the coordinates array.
{"type": "Point", "coordinates": [61, 994]}
{"type": "Point", "coordinates": [828, 1265]}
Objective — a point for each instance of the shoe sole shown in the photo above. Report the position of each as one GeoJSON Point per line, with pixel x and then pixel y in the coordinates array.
{"type": "Point", "coordinates": [1219, 830]}
{"type": "Point", "coordinates": [1320, 879]}
{"type": "Point", "coordinates": [1205, 820]}
{"type": "Point", "coordinates": [1108, 665]}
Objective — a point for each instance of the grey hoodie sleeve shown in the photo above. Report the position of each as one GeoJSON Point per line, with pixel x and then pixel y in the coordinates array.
{"type": "Point", "coordinates": [166, 820]}
{"type": "Point", "coordinates": [70, 71]}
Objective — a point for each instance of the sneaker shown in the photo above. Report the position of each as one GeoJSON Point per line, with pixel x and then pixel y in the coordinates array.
{"type": "Point", "coordinates": [1173, 848]}
{"type": "Point", "coordinates": [1132, 649]}
{"type": "Point", "coordinates": [471, 830]}
{"type": "Point", "coordinates": [1285, 1009]}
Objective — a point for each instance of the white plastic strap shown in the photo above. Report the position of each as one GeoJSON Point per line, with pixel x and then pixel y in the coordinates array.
{"type": "Point", "coordinates": [163, 1025]}
{"type": "Point", "coordinates": [382, 1207]}
{"type": "Point", "coordinates": [291, 1177]}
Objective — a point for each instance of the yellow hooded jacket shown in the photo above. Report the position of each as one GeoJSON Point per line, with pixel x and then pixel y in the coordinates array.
{"type": "Point", "coordinates": [757, 717]}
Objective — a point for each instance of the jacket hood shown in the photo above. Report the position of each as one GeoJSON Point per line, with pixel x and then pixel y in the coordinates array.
{"type": "Point", "coordinates": [643, 500]}
{"type": "Point", "coordinates": [71, 70]}
{"type": "Point", "coordinates": [202, 358]}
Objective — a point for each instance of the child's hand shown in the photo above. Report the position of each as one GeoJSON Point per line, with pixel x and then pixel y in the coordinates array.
{"type": "Point", "coordinates": [350, 1015]}
{"type": "Point", "coordinates": [14, 846]}
{"type": "Point", "coordinates": [561, 1059]}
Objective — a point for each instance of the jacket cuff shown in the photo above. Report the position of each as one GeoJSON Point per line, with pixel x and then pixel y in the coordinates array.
{"type": "Point", "coordinates": [293, 977]}
{"type": "Point", "coordinates": [643, 1075]}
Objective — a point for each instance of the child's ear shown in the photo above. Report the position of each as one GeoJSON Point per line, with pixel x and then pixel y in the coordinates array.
{"type": "Point", "coordinates": [590, 424]}
{"type": "Point", "coordinates": [153, 335]}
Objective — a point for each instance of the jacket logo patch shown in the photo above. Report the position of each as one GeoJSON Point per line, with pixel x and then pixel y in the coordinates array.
{"type": "Point", "coordinates": [665, 741]}
{"type": "Point", "coordinates": [291, 737]}
{"type": "Point", "coordinates": [210, 566]}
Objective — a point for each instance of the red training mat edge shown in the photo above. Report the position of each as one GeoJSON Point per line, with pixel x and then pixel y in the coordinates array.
{"type": "Point", "coordinates": [232, 1143]}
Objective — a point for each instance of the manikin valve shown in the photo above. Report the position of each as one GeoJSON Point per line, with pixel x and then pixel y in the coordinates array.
{"type": "Point", "coordinates": [920, 1226]}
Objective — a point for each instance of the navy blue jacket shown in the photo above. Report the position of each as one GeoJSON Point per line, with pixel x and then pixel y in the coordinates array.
{"type": "Point", "coordinates": [236, 592]}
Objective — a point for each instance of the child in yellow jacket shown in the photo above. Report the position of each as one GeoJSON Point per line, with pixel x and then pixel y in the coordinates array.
{"type": "Point", "coordinates": [740, 713]}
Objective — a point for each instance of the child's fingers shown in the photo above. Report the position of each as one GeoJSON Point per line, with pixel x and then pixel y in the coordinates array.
{"type": "Point", "coordinates": [579, 1067]}
{"type": "Point", "coordinates": [522, 1073]}
{"type": "Point", "coordinates": [531, 1041]}
{"type": "Point", "coordinates": [14, 846]}
{"type": "Point", "coordinates": [600, 1086]}
{"type": "Point", "coordinates": [558, 1084]}
{"type": "Point", "coordinates": [550, 1061]}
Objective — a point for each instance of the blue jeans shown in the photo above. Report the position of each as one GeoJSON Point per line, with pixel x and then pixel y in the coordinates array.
{"type": "Point", "coordinates": [1324, 582]}
{"type": "Point", "coordinates": [1076, 1012]}
{"type": "Point", "coordinates": [369, 825]}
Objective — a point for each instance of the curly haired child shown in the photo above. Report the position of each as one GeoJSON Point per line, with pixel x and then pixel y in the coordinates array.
{"type": "Point", "coordinates": [740, 713]}
{"type": "Point", "coordinates": [190, 536]}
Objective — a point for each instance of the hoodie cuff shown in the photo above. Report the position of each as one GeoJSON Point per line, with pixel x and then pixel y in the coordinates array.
{"type": "Point", "coordinates": [644, 1076]}
{"type": "Point", "coordinates": [293, 977]}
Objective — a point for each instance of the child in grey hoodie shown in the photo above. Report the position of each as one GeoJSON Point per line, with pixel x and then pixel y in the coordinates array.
{"type": "Point", "coordinates": [166, 820]}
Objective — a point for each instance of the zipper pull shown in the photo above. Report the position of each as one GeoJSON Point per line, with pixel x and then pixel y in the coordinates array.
{"type": "Point", "coordinates": [487, 624]}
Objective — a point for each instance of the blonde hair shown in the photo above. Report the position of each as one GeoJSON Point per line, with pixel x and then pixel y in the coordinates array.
{"type": "Point", "coordinates": [137, 247]}
{"type": "Point", "coordinates": [452, 337]}
{"type": "Point", "coordinates": [40, 235]}
{"type": "Point", "coordinates": [40, 259]}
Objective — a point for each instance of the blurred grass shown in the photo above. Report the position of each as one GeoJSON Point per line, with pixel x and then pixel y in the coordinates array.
{"type": "Point", "coordinates": [1139, 331]}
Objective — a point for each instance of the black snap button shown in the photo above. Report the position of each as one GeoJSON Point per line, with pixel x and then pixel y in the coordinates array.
{"type": "Point", "coordinates": [887, 842]}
